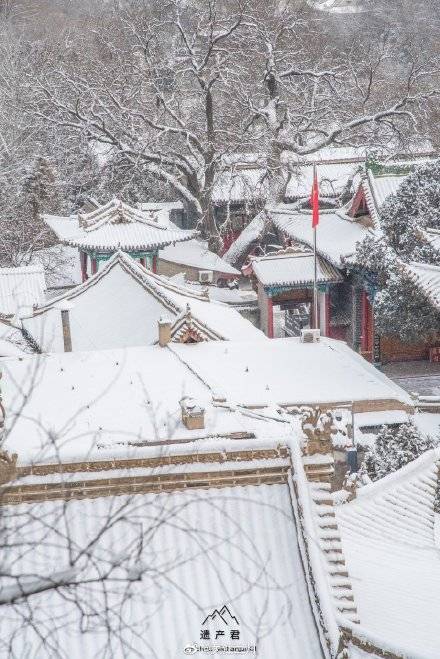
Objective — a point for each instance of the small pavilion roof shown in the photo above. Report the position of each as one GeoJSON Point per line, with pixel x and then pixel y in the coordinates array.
{"type": "Point", "coordinates": [293, 268]}
{"type": "Point", "coordinates": [115, 226]}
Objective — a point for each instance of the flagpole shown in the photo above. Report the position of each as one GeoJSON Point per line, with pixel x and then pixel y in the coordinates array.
{"type": "Point", "coordinates": [315, 265]}
{"type": "Point", "coordinates": [315, 282]}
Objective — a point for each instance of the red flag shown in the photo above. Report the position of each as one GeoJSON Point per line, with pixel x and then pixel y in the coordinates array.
{"type": "Point", "coordinates": [314, 199]}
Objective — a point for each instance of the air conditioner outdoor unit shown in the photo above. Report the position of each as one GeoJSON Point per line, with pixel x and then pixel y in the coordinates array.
{"type": "Point", "coordinates": [206, 276]}
{"type": "Point", "coordinates": [310, 335]}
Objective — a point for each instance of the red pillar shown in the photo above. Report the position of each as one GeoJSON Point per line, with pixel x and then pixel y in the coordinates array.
{"type": "Point", "coordinates": [270, 318]}
{"type": "Point", "coordinates": [367, 323]}
{"type": "Point", "coordinates": [94, 266]}
{"type": "Point", "coordinates": [142, 261]}
{"type": "Point", "coordinates": [327, 313]}
{"type": "Point", "coordinates": [154, 264]}
{"type": "Point", "coordinates": [83, 260]}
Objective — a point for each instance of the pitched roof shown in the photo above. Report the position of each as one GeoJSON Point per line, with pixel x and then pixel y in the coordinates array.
{"type": "Point", "coordinates": [392, 555]}
{"type": "Point", "coordinates": [195, 253]}
{"type": "Point", "coordinates": [337, 234]}
{"type": "Point", "coordinates": [110, 398]}
{"type": "Point", "coordinates": [248, 238]}
{"type": "Point", "coordinates": [287, 268]}
{"type": "Point", "coordinates": [21, 289]}
{"type": "Point", "coordinates": [433, 237]}
{"type": "Point", "coordinates": [239, 184]}
{"type": "Point", "coordinates": [427, 278]}
{"type": "Point", "coordinates": [377, 189]}
{"type": "Point", "coordinates": [334, 177]}
{"type": "Point", "coordinates": [188, 329]}
{"type": "Point", "coordinates": [120, 306]}
{"type": "Point", "coordinates": [288, 372]}
{"type": "Point", "coordinates": [196, 552]}
{"type": "Point", "coordinates": [115, 226]}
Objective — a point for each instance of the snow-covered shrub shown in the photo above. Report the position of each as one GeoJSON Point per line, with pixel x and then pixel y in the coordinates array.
{"type": "Point", "coordinates": [395, 448]}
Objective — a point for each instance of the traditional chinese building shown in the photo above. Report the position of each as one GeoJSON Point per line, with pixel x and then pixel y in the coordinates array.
{"type": "Point", "coordinates": [211, 465]}
{"type": "Point", "coordinates": [121, 305]}
{"type": "Point", "coordinates": [377, 185]}
{"type": "Point", "coordinates": [112, 227]}
{"type": "Point", "coordinates": [285, 281]}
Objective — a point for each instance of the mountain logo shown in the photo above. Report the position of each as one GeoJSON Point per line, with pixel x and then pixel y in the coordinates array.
{"type": "Point", "coordinates": [224, 616]}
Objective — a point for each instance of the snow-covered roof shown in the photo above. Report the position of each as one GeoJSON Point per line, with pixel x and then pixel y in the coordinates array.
{"type": "Point", "coordinates": [377, 189]}
{"type": "Point", "coordinates": [391, 553]}
{"type": "Point", "coordinates": [427, 278]}
{"type": "Point", "coordinates": [250, 236]}
{"type": "Point", "coordinates": [336, 236]}
{"type": "Point", "coordinates": [293, 269]}
{"type": "Point", "coordinates": [61, 263]}
{"type": "Point", "coordinates": [120, 305]}
{"type": "Point", "coordinates": [180, 557]}
{"type": "Point", "coordinates": [240, 184]}
{"type": "Point", "coordinates": [159, 212]}
{"type": "Point", "coordinates": [288, 372]}
{"type": "Point", "coordinates": [334, 177]}
{"type": "Point", "coordinates": [195, 253]}
{"type": "Point", "coordinates": [433, 237]}
{"type": "Point", "coordinates": [246, 181]}
{"type": "Point", "coordinates": [115, 226]}
{"type": "Point", "coordinates": [110, 400]}
{"type": "Point", "coordinates": [338, 6]}
{"type": "Point", "coordinates": [21, 289]}
{"type": "Point", "coordinates": [107, 398]}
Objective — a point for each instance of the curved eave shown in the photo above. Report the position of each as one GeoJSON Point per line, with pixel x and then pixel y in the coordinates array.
{"type": "Point", "coordinates": [126, 247]}
{"type": "Point", "coordinates": [301, 284]}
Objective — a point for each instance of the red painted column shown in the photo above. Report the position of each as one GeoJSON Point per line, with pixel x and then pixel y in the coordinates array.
{"type": "Point", "coordinates": [270, 318]}
{"type": "Point", "coordinates": [327, 313]}
{"type": "Point", "coordinates": [154, 265]}
{"type": "Point", "coordinates": [142, 261]}
{"type": "Point", "coordinates": [366, 312]}
{"type": "Point", "coordinates": [83, 260]}
{"type": "Point", "coordinates": [94, 266]}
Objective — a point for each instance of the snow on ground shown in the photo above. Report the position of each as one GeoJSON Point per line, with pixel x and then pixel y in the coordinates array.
{"type": "Point", "coordinates": [426, 385]}
{"type": "Point", "coordinates": [419, 376]}
{"type": "Point", "coordinates": [428, 423]}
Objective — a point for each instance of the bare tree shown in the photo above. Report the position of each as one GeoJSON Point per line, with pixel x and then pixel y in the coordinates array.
{"type": "Point", "coordinates": [174, 89]}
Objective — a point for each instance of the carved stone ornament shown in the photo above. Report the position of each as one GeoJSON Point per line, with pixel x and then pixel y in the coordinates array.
{"type": "Point", "coordinates": [318, 427]}
{"type": "Point", "coordinates": [8, 467]}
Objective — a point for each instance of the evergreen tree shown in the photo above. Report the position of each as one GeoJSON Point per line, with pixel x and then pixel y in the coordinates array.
{"type": "Point", "coordinates": [415, 206]}
{"type": "Point", "coordinates": [394, 449]}
{"type": "Point", "coordinates": [40, 189]}
{"type": "Point", "coordinates": [401, 308]}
